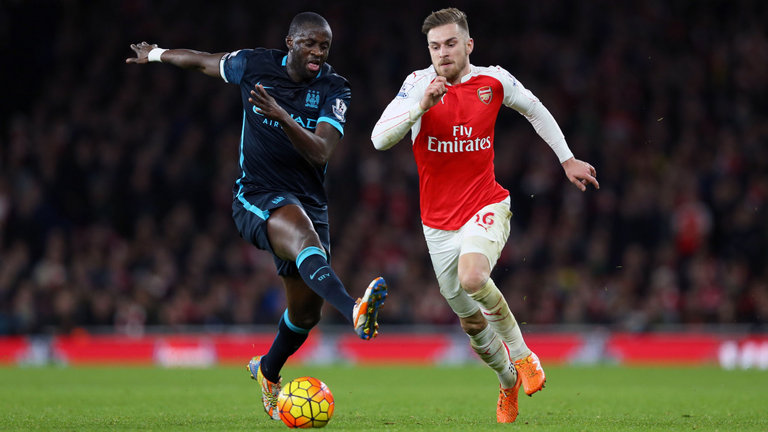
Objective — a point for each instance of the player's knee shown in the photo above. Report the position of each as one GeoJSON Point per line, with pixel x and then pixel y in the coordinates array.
{"type": "Point", "coordinates": [472, 280]}
{"type": "Point", "coordinates": [304, 315]}
{"type": "Point", "coordinates": [308, 238]}
{"type": "Point", "coordinates": [306, 320]}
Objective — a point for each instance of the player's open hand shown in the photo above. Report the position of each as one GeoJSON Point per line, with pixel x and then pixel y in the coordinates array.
{"type": "Point", "coordinates": [434, 92]}
{"type": "Point", "coordinates": [142, 51]}
{"type": "Point", "coordinates": [266, 104]}
{"type": "Point", "coordinates": [580, 173]}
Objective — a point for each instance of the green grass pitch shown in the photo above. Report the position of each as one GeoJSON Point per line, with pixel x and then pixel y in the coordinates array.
{"type": "Point", "coordinates": [392, 398]}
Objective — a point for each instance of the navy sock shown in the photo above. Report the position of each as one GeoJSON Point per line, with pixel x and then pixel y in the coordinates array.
{"type": "Point", "coordinates": [288, 340]}
{"type": "Point", "coordinates": [318, 275]}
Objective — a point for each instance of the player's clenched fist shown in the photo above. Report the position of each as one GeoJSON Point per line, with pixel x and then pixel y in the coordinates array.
{"type": "Point", "coordinates": [435, 90]}
{"type": "Point", "coordinates": [266, 104]}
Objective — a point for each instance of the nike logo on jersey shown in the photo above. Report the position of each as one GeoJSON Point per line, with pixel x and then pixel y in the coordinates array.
{"type": "Point", "coordinates": [312, 276]}
{"type": "Point", "coordinates": [265, 87]}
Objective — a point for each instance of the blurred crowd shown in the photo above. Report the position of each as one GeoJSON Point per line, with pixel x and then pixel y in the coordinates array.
{"type": "Point", "coordinates": [116, 180]}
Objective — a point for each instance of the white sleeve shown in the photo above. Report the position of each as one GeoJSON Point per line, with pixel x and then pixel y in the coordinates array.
{"type": "Point", "coordinates": [519, 98]}
{"type": "Point", "coordinates": [401, 114]}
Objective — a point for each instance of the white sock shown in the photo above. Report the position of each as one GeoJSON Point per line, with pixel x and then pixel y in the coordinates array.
{"type": "Point", "coordinates": [489, 348]}
{"type": "Point", "coordinates": [500, 318]}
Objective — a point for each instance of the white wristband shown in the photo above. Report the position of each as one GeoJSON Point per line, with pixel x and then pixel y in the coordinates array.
{"type": "Point", "coordinates": [154, 55]}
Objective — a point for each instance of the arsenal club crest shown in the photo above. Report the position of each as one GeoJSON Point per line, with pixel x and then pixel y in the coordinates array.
{"type": "Point", "coordinates": [485, 94]}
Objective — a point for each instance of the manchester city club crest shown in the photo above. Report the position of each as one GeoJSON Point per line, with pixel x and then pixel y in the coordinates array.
{"type": "Point", "coordinates": [313, 99]}
{"type": "Point", "coordinates": [485, 94]}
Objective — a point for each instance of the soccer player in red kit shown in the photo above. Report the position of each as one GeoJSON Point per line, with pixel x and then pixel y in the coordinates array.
{"type": "Point", "coordinates": [451, 109]}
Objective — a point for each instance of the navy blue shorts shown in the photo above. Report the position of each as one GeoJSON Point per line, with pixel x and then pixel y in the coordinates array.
{"type": "Point", "coordinates": [251, 212]}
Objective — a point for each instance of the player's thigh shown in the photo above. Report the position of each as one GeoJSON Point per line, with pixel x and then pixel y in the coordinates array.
{"type": "Point", "coordinates": [487, 232]}
{"type": "Point", "coordinates": [252, 212]}
{"type": "Point", "coordinates": [304, 305]}
{"type": "Point", "coordinates": [321, 230]}
{"type": "Point", "coordinates": [444, 247]}
{"type": "Point", "coordinates": [290, 230]}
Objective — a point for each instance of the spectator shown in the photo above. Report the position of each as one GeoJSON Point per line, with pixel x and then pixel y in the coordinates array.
{"type": "Point", "coordinates": [666, 99]}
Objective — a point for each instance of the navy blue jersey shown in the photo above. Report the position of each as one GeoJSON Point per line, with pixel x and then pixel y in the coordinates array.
{"type": "Point", "coordinates": [268, 160]}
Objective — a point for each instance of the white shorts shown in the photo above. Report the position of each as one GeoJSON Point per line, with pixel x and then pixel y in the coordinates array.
{"type": "Point", "coordinates": [485, 233]}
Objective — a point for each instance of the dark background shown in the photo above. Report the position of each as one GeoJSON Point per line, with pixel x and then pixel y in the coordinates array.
{"type": "Point", "coordinates": [115, 179]}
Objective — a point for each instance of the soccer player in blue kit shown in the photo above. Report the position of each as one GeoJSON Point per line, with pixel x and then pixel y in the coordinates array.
{"type": "Point", "coordinates": [294, 112]}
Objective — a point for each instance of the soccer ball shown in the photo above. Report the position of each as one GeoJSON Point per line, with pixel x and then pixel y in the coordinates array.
{"type": "Point", "coordinates": [305, 402]}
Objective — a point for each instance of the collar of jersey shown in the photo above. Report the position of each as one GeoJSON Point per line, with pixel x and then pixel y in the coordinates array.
{"type": "Point", "coordinates": [285, 60]}
{"type": "Point", "coordinates": [468, 76]}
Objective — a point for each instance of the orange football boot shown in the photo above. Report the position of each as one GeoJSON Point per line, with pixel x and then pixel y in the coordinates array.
{"type": "Point", "coordinates": [506, 409]}
{"type": "Point", "coordinates": [532, 374]}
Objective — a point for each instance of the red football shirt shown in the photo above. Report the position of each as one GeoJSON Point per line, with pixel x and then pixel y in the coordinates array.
{"type": "Point", "coordinates": [454, 153]}
{"type": "Point", "coordinates": [453, 142]}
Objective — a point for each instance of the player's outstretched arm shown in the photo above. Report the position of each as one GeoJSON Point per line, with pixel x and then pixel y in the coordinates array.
{"type": "Point", "coordinates": [580, 173]}
{"type": "Point", "coordinates": [204, 62]}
